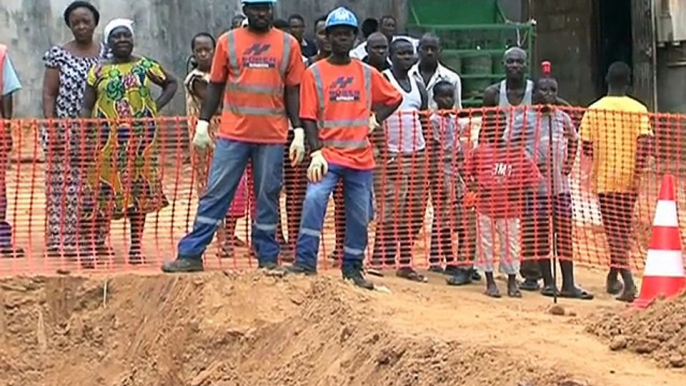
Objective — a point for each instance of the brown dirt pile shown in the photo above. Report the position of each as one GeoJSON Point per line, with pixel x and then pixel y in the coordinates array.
{"type": "Point", "coordinates": [658, 332]}
{"type": "Point", "coordinates": [224, 330]}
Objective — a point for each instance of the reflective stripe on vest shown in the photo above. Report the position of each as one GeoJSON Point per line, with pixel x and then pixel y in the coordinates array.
{"type": "Point", "coordinates": [3, 53]}
{"type": "Point", "coordinates": [336, 123]}
{"type": "Point", "coordinates": [232, 84]}
{"type": "Point", "coordinates": [345, 144]}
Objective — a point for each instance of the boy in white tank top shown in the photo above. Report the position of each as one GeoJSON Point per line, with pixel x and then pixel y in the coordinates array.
{"type": "Point", "coordinates": [402, 169]}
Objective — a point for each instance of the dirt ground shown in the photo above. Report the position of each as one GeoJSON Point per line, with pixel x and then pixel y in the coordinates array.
{"type": "Point", "coordinates": [228, 329]}
{"type": "Point", "coordinates": [659, 332]}
{"type": "Point", "coordinates": [221, 328]}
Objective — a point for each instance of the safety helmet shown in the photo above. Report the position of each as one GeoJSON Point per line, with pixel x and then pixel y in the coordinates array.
{"type": "Point", "coordinates": [244, 2]}
{"type": "Point", "coordinates": [341, 16]}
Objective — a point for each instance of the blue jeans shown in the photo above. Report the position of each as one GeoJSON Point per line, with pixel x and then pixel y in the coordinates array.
{"type": "Point", "coordinates": [228, 164]}
{"type": "Point", "coordinates": [357, 187]}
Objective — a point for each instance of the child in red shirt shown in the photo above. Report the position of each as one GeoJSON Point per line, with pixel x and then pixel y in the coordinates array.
{"type": "Point", "coordinates": [502, 174]}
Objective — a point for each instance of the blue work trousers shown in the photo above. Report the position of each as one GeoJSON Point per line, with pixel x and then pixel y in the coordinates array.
{"type": "Point", "coordinates": [357, 188]}
{"type": "Point", "coordinates": [228, 165]}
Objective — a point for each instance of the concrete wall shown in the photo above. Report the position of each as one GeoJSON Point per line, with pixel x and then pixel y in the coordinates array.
{"type": "Point", "coordinates": [564, 37]}
{"type": "Point", "coordinates": [163, 31]}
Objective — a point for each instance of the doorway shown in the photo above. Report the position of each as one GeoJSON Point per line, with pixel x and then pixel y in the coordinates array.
{"type": "Point", "coordinates": [614, 40]}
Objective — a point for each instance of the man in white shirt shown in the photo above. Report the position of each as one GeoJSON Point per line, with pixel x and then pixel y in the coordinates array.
{"type": "Point", "coordinates": [431, 71]}
{"type": "Point", "coordinates": [387, 26]}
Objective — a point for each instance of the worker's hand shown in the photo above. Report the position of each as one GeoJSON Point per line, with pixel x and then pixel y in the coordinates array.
{"type": "Point", "coordinates": [373, 123]}
{"type": "Point", "coordinates": [201, 139]}
{"type": "Point", "coordinates": [318, 167]}
{"type": "Point", "coordinates": [297, 150]}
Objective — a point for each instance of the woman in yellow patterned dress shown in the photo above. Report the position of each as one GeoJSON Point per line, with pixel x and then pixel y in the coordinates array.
{"type": "Point", "coordinates": [125, 179]}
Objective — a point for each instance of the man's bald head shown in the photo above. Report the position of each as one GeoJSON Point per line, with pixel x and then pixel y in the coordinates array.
{"type": "Point", "coordinates": [376, 37]}
{"type": "Point", "coordinates": [377, 49]}
{"type": "Point", "coordinates": [516, 52]}
{"type": "Point", "coordinates": [430, 39]}
{"type": "Point", "coordinates": [514, 61]}
{"type": "Point", "coordinates": [429, 49]}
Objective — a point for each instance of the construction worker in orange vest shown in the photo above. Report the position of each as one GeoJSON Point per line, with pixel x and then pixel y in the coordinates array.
{"type": "Point", "coordinates": [9, 84]}
{"type": "Point", "coordinates": [342, 102]}
{"type": "Point", "coordinates": [257, 70]}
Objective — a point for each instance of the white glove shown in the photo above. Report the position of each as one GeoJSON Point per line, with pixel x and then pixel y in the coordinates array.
{"type": "Point", "coordinates": [373, 123]}
{"type": "Point", "coordinates": [318, 167]}
{"type": "Point", "coordinates": [201, 139]}
{"type": "Point", "coordinates": [297, 150]}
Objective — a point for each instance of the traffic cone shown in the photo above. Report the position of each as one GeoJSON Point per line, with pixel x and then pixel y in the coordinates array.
{"type": "Point", "coordinates": [663, 274]}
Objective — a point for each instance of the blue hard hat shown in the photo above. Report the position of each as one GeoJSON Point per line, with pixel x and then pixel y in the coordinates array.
{"type": "Point", "coordinates": [341, 16]}
{"type": "Point", "coordinates": [258, 2]}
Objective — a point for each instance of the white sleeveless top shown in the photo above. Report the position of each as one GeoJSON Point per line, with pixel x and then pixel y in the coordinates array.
{"type": "Point", "coordinates": [405, 131]}
{"type": "Point", "coordinates": [504, 102]}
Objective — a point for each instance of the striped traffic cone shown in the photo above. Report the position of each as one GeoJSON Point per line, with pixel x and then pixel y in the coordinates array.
{"type": "Point", "coordinates": [663, 275]}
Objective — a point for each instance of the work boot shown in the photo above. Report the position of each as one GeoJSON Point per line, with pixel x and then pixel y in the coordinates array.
{"type": "Point", "coordinates": [296, 269]}
{"type": "Point", "coordinates": [271, 268]}
{"type": "Point", "coordinates": [183, 265]}
{"type": "Point", "coordinates": [353, 271]}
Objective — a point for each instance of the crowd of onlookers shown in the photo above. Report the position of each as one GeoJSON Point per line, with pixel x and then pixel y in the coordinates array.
{"type": "Point", "coordinates": [512, 189]}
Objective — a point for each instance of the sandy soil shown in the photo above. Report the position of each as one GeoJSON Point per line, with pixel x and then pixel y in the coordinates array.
{"type": "Point", "coordinates": [226, 329]}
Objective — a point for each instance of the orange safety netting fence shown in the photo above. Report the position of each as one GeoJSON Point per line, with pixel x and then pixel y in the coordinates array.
{"type": "Point", "coordinates": [56, 213]}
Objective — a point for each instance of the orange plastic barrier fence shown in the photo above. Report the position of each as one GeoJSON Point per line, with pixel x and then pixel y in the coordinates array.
{"type": "Point", "coordinates": [126, 192]}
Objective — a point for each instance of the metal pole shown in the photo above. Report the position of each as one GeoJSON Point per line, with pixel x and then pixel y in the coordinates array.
{"type": "Point", "coordinates": [552, 194]}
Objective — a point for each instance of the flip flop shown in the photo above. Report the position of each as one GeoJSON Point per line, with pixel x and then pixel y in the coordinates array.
{"type": "Point", "coordinates": [375, 272]}
{"type": "Point", "coordinates": [577, 293]}
{"type": "Point", "coordinates": [529, 285]}
{"type": "Point", "coordinates": [411, 275]}
{"type": "Point", "coordinates": [550, 291]}
{"type": "Point", "coordinates": [493, 293]}
{"type": "Point", "coordinates": [514, 293]}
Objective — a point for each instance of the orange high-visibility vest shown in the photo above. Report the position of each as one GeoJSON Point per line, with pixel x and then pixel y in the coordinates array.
{"type": "Point", "coordinates": [255, 86]}
{"type": "Point", "coordinates": [344, 140]}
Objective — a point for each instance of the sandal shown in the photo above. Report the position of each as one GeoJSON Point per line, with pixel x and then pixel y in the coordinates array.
{"type": "Point", "coordinates": [136, 258]}
{"type": "Point", "coordinates": [576, 293]}
{"type": "Point", "coordinates": [627, 296]}
{"type": "Point", "coordinates": [104, 251]}
{"type": "Point", "coordinates": [411, 274]}
{"type": "Point", "coordinates": [514, 293]}
{"type": "Point", "coordinates": [493, 292]}
{"type": "Point", "coordinates": [10, 252]}
{"type": "Point", "coordinates": [530, 285]}
{"type": "Point", "coordinates": [550, 291]}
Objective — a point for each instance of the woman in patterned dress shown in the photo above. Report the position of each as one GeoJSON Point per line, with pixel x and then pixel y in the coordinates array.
{"type": "Point", "coordinates": [195, 84]}
{"type": "Point", "coordinates": [63, 85]}
{"type": "Point", "coordinates": [125, 180]}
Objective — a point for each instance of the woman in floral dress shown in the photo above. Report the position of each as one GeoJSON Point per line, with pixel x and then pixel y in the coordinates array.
{"type": "Point", "coordinates": [125, 180]}
{"type": "Point", "coordinates": [63, 85]}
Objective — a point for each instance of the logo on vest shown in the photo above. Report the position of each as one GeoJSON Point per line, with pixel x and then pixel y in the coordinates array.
{"type": "Point", "coordinates": [339, 91]}
{"type": "Point", "coordinates": [254, 56]}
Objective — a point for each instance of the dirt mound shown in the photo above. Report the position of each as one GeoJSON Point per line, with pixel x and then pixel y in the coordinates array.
{"type": "Point", "coordinates": [224, 330]}
{"type": "Point", "coordinates": [658, 332]}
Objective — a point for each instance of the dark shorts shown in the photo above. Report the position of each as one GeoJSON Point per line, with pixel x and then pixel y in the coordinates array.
{"type": "Point", "coordinates": [617, 210]}
{"type": "Point", "coordinates": [537, 221]}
